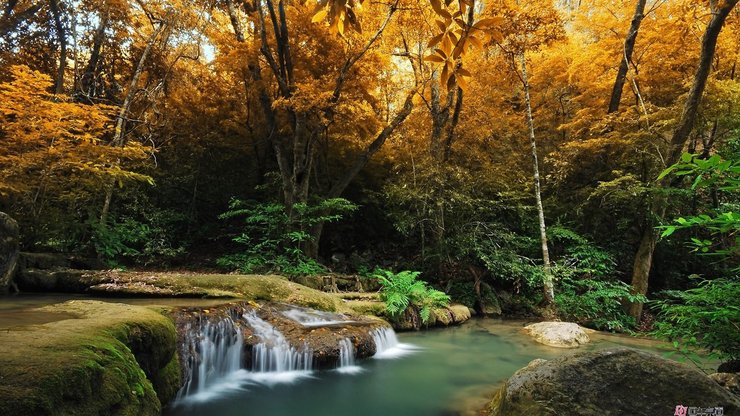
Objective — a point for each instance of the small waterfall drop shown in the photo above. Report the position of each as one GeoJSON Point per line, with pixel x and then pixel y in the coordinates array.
{"type": "Point", "coordinates": [274, 354]}
{"type": "Point", "coordinates": [213, 357]}
{"type": "Point", "coordinates": [312, 318]}
{"type": "Point", "coordinates": [347, 358]}
{"type": "Point", "coordinates": [387, 345]}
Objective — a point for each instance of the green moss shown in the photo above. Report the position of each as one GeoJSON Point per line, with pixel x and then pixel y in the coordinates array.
{"type": "Point", "coordinates": [247, 287]}
{"type": "Point", "coordinates": [98, 363]}
{"type": "Point", "coordinates": [168, 380]}
{"type": "Point", "coordinates": [367, 307]}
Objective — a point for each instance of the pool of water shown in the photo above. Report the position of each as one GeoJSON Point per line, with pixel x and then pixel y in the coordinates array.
{"type": "Point", "coordinates": [451, 372]}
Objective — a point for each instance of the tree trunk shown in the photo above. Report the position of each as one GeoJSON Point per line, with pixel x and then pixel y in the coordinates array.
{"type": "Point", "coordinates": [62, 38]}
{"type": "Point", "coordinates": [118, 136]}
{"type": "Point", "coordinates": [87, 87]}
{"type": "Point", "coordinates": [629, 46]}
{"type": "Point", "coordinates": [641, 267]}
{"type": "Point", "coordinates": [312, 247]}
{"type": "Point", "coordinates": [643, 258]}
{"type": "Point", "coordinates": [9, 246]}
{"type": "Point", "coordinates": [549, 292]}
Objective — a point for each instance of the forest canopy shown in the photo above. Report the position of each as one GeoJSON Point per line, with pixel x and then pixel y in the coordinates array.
{"type": "Point", "coordinates": [515, 145]}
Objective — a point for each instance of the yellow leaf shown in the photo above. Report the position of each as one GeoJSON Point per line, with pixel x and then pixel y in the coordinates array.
{"type": "Point", "coordinates": [320, 16]}
{"type": "Point", "coordinates": [472, 41]}
{"type": "Point", "coordinates": [437, 6]}
{"type": "Point", "coordinates": [441, 25]}
{"type": "Point", "coordinates": [447, 45]}
{"type": "Point", "coordinates": [434, 58]}
{"type": "Point", "coordinates": [462, 81]}
{"type": "Point", "coordinates": [445, 76]}
{"type": "Point", "coordinates": [435, 40]}
{"type": "Point", "coordinates": [489, 23]}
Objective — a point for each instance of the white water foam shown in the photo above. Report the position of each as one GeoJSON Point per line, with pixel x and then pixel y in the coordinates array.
{"type": "Point", "coordinates": [215, 360]}
{"type": "Point", "coordinates": [274, 354]}
{"type": "Point", "coordinates": [387, 346]}
{"type": "Point", "coordinates": [311, 318]}
{"type": "Point", "coordinates": [347, 358]}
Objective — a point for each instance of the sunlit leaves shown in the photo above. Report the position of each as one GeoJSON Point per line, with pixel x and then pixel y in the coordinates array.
{"type": "Point", "coordinates": [458, 34]}
{"type": "Point", "coordinates": [52, 143]}
{"type": "Point", "coordinates": [340, 14]}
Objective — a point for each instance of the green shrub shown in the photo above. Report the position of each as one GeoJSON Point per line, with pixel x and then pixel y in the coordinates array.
{"type": "Point", "coordinates": [596, 303]}
{"type": "Point", "coordinates": [586, 292]}
{"type": "Point", "coordinates": [144, 241]}
{"type": "Point", "coordinates": [706, 317]}
{"type": "Point", "coordinates": [273, 243]}
{"type": "Point", "coordinates": [401, 290]}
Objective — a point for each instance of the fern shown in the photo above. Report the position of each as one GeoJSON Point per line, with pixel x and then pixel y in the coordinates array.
{"type": "Point", "coordinates": [401, 290]}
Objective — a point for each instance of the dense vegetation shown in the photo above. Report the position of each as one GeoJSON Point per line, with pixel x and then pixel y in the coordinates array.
{"type": "Point", "coordinates": [540, 148]}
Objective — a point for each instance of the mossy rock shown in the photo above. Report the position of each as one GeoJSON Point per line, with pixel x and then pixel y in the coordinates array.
{"type": "Point", "coordinates": [610, 382]}
{"type": "Point", "coordinates": [366, 307]}
{"type": "Point", "coordinates": [112, 283]}
{"type": "Point", "coordinates": [103, 361]}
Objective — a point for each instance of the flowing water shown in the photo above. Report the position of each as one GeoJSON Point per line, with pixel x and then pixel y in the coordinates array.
{"type": "Point", "coordinates": [215, 357]}
{"type": "Point", "coordinates": [435, 372]}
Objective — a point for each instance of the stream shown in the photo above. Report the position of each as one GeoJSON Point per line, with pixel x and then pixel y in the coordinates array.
{"type": "Point", "coordinates": [449, 371]}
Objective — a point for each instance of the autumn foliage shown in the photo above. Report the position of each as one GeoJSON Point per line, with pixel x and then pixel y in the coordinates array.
{"type": "Point", "coordinates": [417, 111]}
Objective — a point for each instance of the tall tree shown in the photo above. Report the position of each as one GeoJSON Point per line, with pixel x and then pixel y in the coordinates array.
{"type": "Point", "coordinates": [548, 287]}
{"type": "Point", "coordinates": [295, 145]}
{"type": "Point", "coordinates": [61, 33]}
{"type": "Point", "coordinates": [720, 9]}
{"type": "Point", "coordinates": [629, 47]}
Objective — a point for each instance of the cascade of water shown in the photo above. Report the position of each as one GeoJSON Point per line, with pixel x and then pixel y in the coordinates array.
{"type": "Point", "coordinates": [347, 358]}
{"type": "Point", "coordinates": [387, 345]}
{"type": "Point", "coordinates": [213, 353]}
{"type": "Point", "coordinates": [274, 353]}
{"type": "Point", "coordinates": [312, 318]}
{"type": "Point", "coordinates": [346, 353]}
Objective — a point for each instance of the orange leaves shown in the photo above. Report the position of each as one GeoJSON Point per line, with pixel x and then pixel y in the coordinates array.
{"type": "Point", "coordinates": [48, 140]}
{"type": "Point", "coordinates": [340, 14]}
{"type": "Point", "coordinates": [458, 34]}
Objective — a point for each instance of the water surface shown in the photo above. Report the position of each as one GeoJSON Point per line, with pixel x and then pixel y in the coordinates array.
{"type": "Point", "coordinates": [452, 371]}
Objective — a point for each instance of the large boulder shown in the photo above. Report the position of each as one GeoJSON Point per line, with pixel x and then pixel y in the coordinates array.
{"type": "Point", "coordinates": [618, 381]}
{"type": "Point", "coordinates": [730, 381]}
{"type": "Point", "coordinates": [95, 358]}
{"type": "Point", "coordinates": [9, 245]}
{"type": "Point", "coordinates": [558, 334]}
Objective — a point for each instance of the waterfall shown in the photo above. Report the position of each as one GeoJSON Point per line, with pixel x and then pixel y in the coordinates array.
{"type": "Point", "coordinates": [213, 356]}
{"type": "Point", "coordinates": [312, 318]}
{"type": "Point", "coordinates": [347, 358]}
{"type": "Point", "coordinates": [387, 345]}
{"type": "Point", "coordinates": [274, 354]}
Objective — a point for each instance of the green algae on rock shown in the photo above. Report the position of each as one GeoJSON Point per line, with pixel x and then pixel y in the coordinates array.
{"type": "Point", "coordinates": [611, 382]}
{"type": "Point", "coordinates": [114, 283]}
{"type": "Point", "coordinates": [103, 361]}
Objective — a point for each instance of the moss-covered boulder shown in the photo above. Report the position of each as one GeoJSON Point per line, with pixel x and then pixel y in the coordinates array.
{"type": "Point", "coordinates": [618, 381]}
{"type": "Point", "coordinates": [114, 283]}
{"type": "Point", "coordinates": [410, 319]}
{"type": "Point", "coordinates": [110, 359]}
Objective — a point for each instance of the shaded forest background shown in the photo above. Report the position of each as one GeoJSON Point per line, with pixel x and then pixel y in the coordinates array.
{"type": "Point", "coordinates": [267, 136]}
